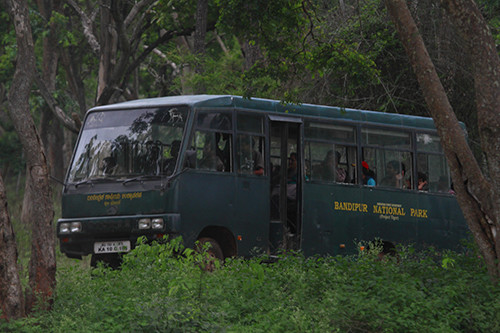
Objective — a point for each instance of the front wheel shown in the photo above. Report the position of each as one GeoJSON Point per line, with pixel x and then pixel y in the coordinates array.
{"type": "Point", "coordinates": [214, 252]}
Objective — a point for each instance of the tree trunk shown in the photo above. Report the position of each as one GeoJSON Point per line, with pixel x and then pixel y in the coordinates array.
{"type": "Point", "coordinates": [52, 137]}
{"type": "Point", "coordinates": [11, 293]}
{"type": "Point", "coordinates": [108, 49]}
{"type": "Point", "coordinates": [478, 199]}
{"type": "Point", "coordinates": [201, 27]}
{"type": "Point", "coordinates": [251, 53]}
{"type": "Point", "coordinates": [42, 266]}
{"type": "Point", "coordinates": [72, 68]}
{"type": "Point", "coordinates": [50, 130]}
{"type": "Point", "coordinates": [199, 41]}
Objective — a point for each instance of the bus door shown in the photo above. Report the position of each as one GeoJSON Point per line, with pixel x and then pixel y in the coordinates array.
{"type": "Point", "coordinates": [286, 183]}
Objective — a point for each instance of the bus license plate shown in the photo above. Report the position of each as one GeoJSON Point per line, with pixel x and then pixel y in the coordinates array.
{"type": "Point", "coordinates": [111, 247]}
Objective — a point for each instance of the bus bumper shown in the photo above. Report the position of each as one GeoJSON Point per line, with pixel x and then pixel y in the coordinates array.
{"type": "Point", "coordinates": [79, 236]}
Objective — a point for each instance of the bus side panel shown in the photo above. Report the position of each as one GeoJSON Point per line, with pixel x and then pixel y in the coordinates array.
{"type": "Point", "coordinates": [239, 204]}
{"type": "Point", "coordinates": [444, 223]}
{"type": "Point", "coordinates": [324, 229]}
{"type": "Point", "coordinates": [337, 217]}
{"type": "Point", "coordinates": [205, 199]}
{"type": "Point", "coordinates": [251, 218]}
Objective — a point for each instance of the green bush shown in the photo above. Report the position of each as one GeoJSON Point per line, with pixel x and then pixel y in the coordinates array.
{"type": "Point", "coordinates": [161, 288]}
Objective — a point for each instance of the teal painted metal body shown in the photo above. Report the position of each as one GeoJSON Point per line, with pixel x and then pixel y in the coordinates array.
{"type": "Point", "coordinates": [233, 208]}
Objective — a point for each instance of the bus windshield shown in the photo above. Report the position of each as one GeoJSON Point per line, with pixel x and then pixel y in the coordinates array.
{"type": "Point", "coordinates": [121, 144]}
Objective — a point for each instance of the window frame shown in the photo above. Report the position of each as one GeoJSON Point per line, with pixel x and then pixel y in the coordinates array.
{"type": "Point", "coordinates": [261, 136]}
{"type": "Point", "coordinates": [196, 128]}
{"type": "Point", "coordinates": [410, 132]}
{"type": "Point", "coordinates": [334, 142]}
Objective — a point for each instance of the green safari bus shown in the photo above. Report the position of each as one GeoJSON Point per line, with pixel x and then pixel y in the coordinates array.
{"type": "Point", "coordinates": [251, 175]}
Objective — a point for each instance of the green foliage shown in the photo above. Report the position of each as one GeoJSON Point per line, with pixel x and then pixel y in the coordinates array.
{"type": "Point", "coordinates": [323, 52]}
{"type": "Point", "coordinates": [183, 14]}
{"type": "Point", "coordinates": [278, 29]}
{"type": "Point", "coordinates": [161, 287]}
{"type": "Point", "coordinates": [221, 72]}
{"type": "Point", "coordinates": [491, 10]}
{"type": "Point", "coordinates": [8, 49]}
{"type": "Point", "coordinates": [11, 153]}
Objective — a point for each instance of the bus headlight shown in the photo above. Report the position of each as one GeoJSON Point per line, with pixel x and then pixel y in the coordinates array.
{"type": "Point", "coordinates": [64, 228]}
{"type": "Point", "coordinates": [144, 223]}
{"type": "Point", "coordinates": [75, 227]}
{"type": "Point", "coordinates": [157, 223]}
{"type": "Point", "coordinates": [69, 228]}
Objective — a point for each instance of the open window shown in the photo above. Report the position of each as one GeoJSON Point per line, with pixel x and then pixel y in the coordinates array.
{"type": "Point", "coordinates": [211, 143]}
{"type": "Point", "coordinates": [330, 152]}
{"type": "Point", "coordinates": [388, 154]}
{"type": "Point", "coordinates": [432, 168]}
{"type": "Point", "coordinates": [250, 144]}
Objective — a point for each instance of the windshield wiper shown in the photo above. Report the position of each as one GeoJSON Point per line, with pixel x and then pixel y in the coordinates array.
{"type": "Point", "coordinates": [92, 181]}
{"type": "Point", "coordinates": [141, 178]}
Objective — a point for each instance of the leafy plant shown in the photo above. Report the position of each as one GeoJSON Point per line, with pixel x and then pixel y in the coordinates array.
{"type": "Point", "coordinates": [161, 287]}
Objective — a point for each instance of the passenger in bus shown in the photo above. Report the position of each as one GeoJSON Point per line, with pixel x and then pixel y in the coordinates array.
{"type": "Point", "coordinates": [109, 166]}
{"type": "Point", "coordinates": [223, 147]}
{"type": "Point", "coordinates": [423, 185]}
{"type": "Point", "coordinates": [256, 163]}
{"type": "Point", "coordinates": [210, 160]}
{"type": "Point", "coordinates": [291, 189]}
{"type": "Point", "coordinates": [367, 174]}
{"type": "Point", "coordinates": [174, 154]}
{"type": "Point", "coordinates": [443, 185]}
{"type": "Point", "coordinates": [258, 166]}
{"type": "Point", "coordinates": [329, 168]}
{"type": "Point", "coordinates": [394, 175]}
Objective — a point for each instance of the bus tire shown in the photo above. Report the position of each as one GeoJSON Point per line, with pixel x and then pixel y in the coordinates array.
{"type": "Point", "coordinates": [388, 251]}
{"type": "Point", "coordinates": [214, 252]}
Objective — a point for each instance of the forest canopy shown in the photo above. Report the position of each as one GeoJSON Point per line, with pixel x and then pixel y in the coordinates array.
{"type": "Point", "coordinates": [334, 53]}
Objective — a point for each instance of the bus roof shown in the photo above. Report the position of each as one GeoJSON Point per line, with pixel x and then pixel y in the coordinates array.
{"type": "Point", "coordinates": [221, 101]}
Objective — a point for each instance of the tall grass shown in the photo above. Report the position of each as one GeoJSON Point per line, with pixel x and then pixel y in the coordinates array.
{"type": "Point", "coordinates": [158, 290]}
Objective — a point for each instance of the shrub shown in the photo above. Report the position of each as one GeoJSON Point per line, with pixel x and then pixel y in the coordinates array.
{"type": "Point", "coordinates": [161, 287]}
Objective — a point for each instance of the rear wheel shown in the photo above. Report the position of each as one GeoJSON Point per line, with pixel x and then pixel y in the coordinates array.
{"type": "Point", "coordinates": [386, 250]}
{"type": "Point", "coordinates": [214, 252]}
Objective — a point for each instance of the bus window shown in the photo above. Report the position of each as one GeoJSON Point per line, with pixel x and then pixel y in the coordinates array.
{"type": "Point", "coordinates": [206, 157]}
{"type": "Point", "coordinates": [249, 155]}
{"type": "Point", "coordinates": [214, 120]}
{"type": "Point", "coordinates": [435, 170]}
{"type": "Point", "coordinates": [250, 144]}
{"type": "Point", "coordinates": [331, 132]}
{"type": "Point", "coordinates": [171, 157]}
{"type": "Point", "coordinates": [211, 142]}
{"type": "Point", "coordinates": [329, 162]}
{"type": "Point", "coordinates": [429, 143]}
{"type": "Point", "coordinates": [117, 144]}
{"type": "Point", "coordinates": [250, 123]}
{"type": "Point", "coordinates": [330, 152]}
{"type": "Point", "coordinates": [389, 157]}
{"type": "Point", "coordinates": [391, 168]}
{"type": "Point", "coordinates": [431, 164]}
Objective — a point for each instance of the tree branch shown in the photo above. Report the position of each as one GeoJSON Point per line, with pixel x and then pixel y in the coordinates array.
{"type": "Point", "coordinates": [87, 27]}
{"type": "Point", "coordinates": [71, 124]}
{"type": "Point", "coordinates": [135, 10]}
